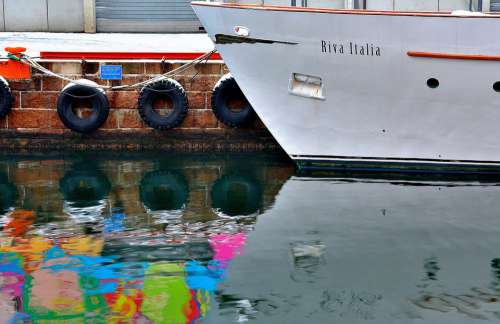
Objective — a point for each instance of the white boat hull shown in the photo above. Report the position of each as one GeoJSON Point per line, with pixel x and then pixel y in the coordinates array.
{"type": "Point", "coordinates": [377, 106]}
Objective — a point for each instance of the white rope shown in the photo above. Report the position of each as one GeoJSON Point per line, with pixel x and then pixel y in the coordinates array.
{"type": "Point", "coordinates": [31, 62]}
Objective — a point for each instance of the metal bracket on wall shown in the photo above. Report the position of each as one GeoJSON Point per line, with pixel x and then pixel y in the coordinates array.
{"type": "Point", "coordinates": [84, 67]}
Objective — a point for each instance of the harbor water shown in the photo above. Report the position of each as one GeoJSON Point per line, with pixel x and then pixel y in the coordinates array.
{"type": "Point", "coordinates": [156, 238]}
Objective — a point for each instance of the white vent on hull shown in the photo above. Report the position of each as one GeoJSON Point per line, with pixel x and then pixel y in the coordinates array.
{"type": "Point", "coordinates": [308, 86]}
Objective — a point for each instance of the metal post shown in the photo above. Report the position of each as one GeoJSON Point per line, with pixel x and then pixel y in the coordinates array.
{"type": "Point", "coordinates": [89, 16]}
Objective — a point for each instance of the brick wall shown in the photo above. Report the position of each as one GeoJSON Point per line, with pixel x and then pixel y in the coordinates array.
{"type": "Point", "coordinates": [34, 113]}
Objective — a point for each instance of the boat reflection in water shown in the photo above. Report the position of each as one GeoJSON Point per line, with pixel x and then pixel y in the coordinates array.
{"type": "Point", "coordinates": [146, 241]}
{"type": "Point", "coordinates": [355, 248]}
{"type": "Point", "coordinates": [226, 239]}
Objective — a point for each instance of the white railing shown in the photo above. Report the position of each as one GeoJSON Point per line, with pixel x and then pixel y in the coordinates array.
{"type": "Point", "coordinates": [428, 5]}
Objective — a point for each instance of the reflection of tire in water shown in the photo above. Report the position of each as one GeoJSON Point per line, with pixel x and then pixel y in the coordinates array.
{"type": "Point", "coordinates": [84, 187]}
{"type": "Point", "coordinates": [164, 190]}
{"type": "Point", "coordinates": [236, 195]}
{"type": "Point", "coordinates": [8, 194]}
{"type": "Point", "coordinates": [84, 190]}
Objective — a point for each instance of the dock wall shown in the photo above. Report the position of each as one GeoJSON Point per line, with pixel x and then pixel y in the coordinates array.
{"type": "Point", "coordinates": [34, 123]}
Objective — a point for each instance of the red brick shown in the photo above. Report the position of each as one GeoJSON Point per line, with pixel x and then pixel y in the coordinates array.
{"type": "Point", "coordinates": [133, 68]}
{"type": "Point", "coordinates": [203, 69]}
{"type": "Point", "coordinates": [3, 123]}
{"type": "Point", "coordinates": [67, 68]}
{"type": "Point", "coordinates": [153, 68]}
{"type": "Point", "coordinates": [128, 80]}
{"type": "Point", "coordinates": [35, 84]}
{"type": "Point", "coordinates": [167, 67]}
{"type": "Point", "coordinates": [16, 99]}
{"type": "Point", "coordinates": [51, 83]}
{"type": "Point", "coordinates": [200, 119]}
{"type": "Point", "coordinates": [112, 121]}
{"type": "Point", "coordinates": [47, 65]}
{"type": "Point", "coordinates": [197, 100]}
{"type": "Point", "coordinates": [20, 118]}
{"type": "Point", "coordinates": [90, 68]}
{"type": "Point", "coordinates": [131, 119]}
{"type": "Point", "coordinates": [209, 68]}
{"type": "Point", "coordinates": [54, 121]}
{"type": "Point", "coordinates": [44, 100]}
{"type": "Point", "coordinates": [51, 131]}
{"type": "Point", "coordinates": [200, 83]}
{"type": "Point", "coordinates": [123, 99]}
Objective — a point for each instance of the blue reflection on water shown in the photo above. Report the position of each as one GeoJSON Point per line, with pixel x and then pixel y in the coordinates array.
{"type": "Point", "coordinates": [148, 249]}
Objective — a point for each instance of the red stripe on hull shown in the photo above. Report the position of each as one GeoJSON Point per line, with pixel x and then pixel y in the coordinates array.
{"type": "Point", "coordinates": [474, 57]}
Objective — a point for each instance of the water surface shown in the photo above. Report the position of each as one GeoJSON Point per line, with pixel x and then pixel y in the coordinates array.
{"type": "Point", "coordinates": [242, 238]}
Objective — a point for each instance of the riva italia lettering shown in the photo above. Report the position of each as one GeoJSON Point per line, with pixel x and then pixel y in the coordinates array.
{"type": "Point", "coordinates": [350, 48]}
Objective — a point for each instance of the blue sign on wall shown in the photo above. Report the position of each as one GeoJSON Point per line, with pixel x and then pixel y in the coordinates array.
{"type": "Point", "coordinates": [111, 72]}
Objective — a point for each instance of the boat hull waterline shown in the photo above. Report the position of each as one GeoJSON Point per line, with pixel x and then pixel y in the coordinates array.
{"type": "Point", "coordinates": [367, 90]}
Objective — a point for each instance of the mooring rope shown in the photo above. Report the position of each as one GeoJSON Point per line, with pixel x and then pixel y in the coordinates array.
{"type": "Point", "coordinates": [26, 59]}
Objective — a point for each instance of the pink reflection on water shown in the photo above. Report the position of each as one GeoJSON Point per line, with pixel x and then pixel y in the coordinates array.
{"type": "Point", "coordinates": [227, 246]}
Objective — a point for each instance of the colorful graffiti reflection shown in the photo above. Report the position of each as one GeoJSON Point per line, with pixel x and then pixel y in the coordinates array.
{"type": "Point", "coordinates": [45, 279]}
{"type": "Point", "coordinates": [133, 241]}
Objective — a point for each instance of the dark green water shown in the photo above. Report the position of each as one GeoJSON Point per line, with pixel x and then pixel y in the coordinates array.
{"type": "Point", "coordinates": [241, 238]}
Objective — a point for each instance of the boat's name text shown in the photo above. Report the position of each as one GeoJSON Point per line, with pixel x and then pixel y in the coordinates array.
{"type": "Point", "coordinates": [350, 48]}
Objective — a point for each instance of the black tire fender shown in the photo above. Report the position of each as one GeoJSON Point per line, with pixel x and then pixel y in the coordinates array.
{"type": "Point", "coordinates": [164, 190]}
{"type": "Point", "coordinates": [6, 98]}
{"type": "Point", "coordinates": [84, 186]}
{"type": "Point", "coordinates": [98, 100]}
{"type": "Point", "coordinates": [167, 88]}
{"type": "Point", "coordinates": [224, 91]}
{"type": "Point", "coordinates": [236, 195]}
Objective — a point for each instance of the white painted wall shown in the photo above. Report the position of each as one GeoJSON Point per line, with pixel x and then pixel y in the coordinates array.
{"type": "Point", "coordinates": [25, 15]}
{"type": "Point", "coordinates": [2, 19]}
{"type": "Point", "coordinates": [65, 15]}
{"type": "Point", "coordinates": [41, 15]}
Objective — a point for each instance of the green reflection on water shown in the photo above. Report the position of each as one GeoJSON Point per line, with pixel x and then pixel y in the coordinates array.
{"type": "Point", "coordinates": [218, 239]}
{"type": "Point", "coordinates": [106, 239]}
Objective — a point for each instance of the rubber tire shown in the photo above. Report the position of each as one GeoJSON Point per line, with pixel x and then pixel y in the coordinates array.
{"type": "Point", "coordinates": [226, 198]}
{"type": "Point", "coordinates": [5, 99]}
{"type": "Point", "coordinates": [175, 92]}
{"type": "Point", "coordinates": [226, 88]}
{"type": "Point", "coordinates": [84, 187]}
{"type": "Point", "coordinates": [100, 109]}
{"type": "Point", "coordinates": [163, 190]}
